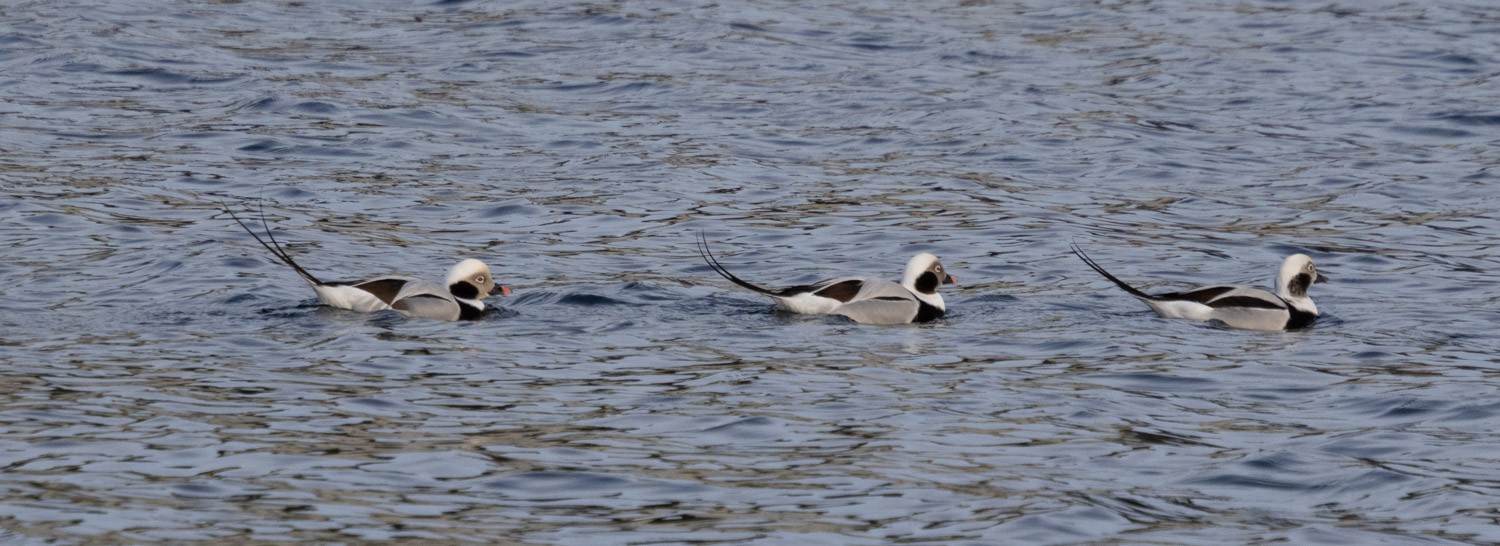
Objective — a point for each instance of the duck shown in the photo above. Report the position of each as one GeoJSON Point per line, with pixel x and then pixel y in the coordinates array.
{"type": "Point", "coordinates": [866, 300]}
{"type": "Point", "coordinates": [1289, 308]}
{"type": "Point", "coordinates": [459, 297]}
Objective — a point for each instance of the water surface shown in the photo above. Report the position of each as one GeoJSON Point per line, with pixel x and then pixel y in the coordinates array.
{"type": "Point", "coordinates": [161, 379]}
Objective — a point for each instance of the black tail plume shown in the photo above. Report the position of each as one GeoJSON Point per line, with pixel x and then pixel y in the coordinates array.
{"type": "Point", "coordinates": [708, 256]}
{"type": "Point", "coordinates": [1131, 289]}
{"type": "Point", "coordinates": [275, 250]}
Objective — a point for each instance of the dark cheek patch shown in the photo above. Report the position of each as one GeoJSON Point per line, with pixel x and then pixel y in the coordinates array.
{"type": "Point", "coordinates": [927, 283]}
{"type": "Point", "coordinates": [463, 289]}
{"type": "Point", "coordinates": [1299, 284]}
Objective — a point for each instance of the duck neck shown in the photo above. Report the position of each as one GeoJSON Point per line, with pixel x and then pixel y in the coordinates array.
{"type": "Point", "coordinates": [470, 309]}
{"type": "Point", "coordinates": [1304, 303]}
{"type": "Point", "coordinates": [934, 299]}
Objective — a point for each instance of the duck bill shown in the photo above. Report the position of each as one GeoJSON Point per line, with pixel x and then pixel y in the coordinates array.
{"type": "Point", "coordinates": [950, 280]}
{"type": "Point", "coordinates": [1321, 278]}
{"type": "Point", "coordinates": [504, 290]}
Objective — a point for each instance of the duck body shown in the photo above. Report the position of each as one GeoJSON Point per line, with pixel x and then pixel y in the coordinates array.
{"type": "Point", "coordinates": [458, 298]}
{"type": "Point", "coordinates": [405, 295]}
{"type": "Point", "coordinates": [866, 300]}
{"type": "Point", "coordinates": [1288, 308]}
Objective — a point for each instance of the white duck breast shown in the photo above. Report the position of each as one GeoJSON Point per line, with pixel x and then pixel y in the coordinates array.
{"type": "Point", "coordinates": [1237, 306]}
{"type": "Point", "coordinates": [863, 299]}
{"type": "Point", "coordinates": [458, 298]}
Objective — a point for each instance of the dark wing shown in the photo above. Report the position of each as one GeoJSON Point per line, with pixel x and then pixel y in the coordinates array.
{"type": "Point", "coordinates": [1112, 278]}
{"type": "Point", "coordinates": [277, 251]}
{"type": "Point", "coordinates": [1229, 297]}
{"type": "Point", "coordinates": [1247, 302]}
{"type": "Point", "coordinates": [708, 256]}
{"type": "Point", "coordinates": [1201, 295]}
{"type": "Point", "coordinates": [385, 289]}
{"type": "Point", "coordinates": [842, 291]}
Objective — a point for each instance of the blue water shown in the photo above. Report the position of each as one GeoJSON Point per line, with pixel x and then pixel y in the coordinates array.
{"type": "Point", "coordinates": [161, 379]}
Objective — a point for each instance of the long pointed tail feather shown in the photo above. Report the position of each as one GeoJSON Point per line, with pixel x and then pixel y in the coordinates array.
{"type": "Point", "coordinates": [276, 251]}
{"type": "Point", "coordinates": [708, 256]}
{"type": "Point", "coordinates": [1131, 289]}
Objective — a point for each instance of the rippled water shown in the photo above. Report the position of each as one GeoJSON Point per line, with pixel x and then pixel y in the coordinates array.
{"type": "Point", "coordinates": [162, 379]}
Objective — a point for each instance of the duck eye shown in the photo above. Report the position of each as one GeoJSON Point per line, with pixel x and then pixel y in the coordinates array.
{"type": "Point", "coordinates": [479, 279]}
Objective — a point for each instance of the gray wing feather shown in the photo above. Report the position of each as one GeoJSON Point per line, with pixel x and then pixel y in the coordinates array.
{"type": "Point", "coordinates": [1253, 318]}
{"type": "Point", "coordinates": [429, 306]}
{"type": "Point", "coordinates": [881, 311]}
{"type": "Point", "coordinates": [881, 288]}
{"type": "Point", "coordinates": [417, 287]}
{"type": "Point", "coordinates": [881, 302]}
{"type": "Point", "coordinates": [426, 299]}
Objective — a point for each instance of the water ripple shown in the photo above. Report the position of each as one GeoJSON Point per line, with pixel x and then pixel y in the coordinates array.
{"type": "Point", "coordinates": [164, 380]}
